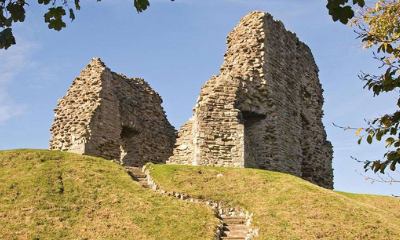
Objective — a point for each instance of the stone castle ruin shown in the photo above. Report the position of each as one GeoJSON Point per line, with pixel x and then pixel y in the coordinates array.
{"type": "Point", "coordinates": [263, 110]}
{"type": "Point", "coordinates": [108, 115]}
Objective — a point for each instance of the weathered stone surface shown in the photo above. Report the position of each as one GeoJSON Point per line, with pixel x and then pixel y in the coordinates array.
{"type": "Point", "coordinates": [111, 116]}
{"type": "Point", "coordinates": [263, 110]}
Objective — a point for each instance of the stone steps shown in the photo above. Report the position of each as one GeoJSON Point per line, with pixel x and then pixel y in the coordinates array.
{"type": "Point", "coordinates": [234, 233]}
{"type": "Point", "coordinates": [237, 227]}
{"type": "Point", "coordinates": [234, 227]}
{"type": "Point", "coordinates": [233, 238]}
{"type": "Point", "coordinates": [137, 172]}
{"type": "Point", "coordinates": [138, 176]}
{"type": "Point", "coordinates": [234, 220]}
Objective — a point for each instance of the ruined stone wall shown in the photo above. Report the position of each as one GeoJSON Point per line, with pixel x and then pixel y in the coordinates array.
{"type": "Point", "coordinates": [111, 116]}
{"type": "Point", "coordinates": [263, 109]}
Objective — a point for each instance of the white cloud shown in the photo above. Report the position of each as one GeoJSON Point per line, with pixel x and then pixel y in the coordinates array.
{"type": "Point", "coordinates": [12, 62]}
{"type": "Point", "coordinates": [9, 110]}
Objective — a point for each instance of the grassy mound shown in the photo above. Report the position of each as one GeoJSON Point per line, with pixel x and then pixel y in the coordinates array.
{"type": "Point", "coordinates": [287, 207]}
{"type": "Point", "coordinates": [57, 195]}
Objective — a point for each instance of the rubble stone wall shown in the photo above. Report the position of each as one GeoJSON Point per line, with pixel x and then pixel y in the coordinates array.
{"type": "Point", "coordinates": [264, 108]}
{"type": "Point", "coordinates": [111, 116]}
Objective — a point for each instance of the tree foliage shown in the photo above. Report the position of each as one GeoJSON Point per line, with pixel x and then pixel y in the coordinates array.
{"type": "Point", "coordinates": [378, 27]}
{"type": "Point", "coordinates": [342, 10]}
{"type": "Point", "coordinates": [12, 11]}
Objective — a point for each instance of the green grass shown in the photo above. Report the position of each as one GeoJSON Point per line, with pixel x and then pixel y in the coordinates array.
{"type": "Point", "coordinates": [287, 207]}
{"type": "Point", "coordinates": [57, 195]}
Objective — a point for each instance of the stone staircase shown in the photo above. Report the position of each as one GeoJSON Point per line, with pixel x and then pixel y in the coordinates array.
{"type": "Point", "coordinates": [233, 227]}
{"type": "Point", "coordinates": [138, 176]}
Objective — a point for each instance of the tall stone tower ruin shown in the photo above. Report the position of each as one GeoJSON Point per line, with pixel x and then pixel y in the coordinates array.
{"type": "Point", "coordinates": [263, 110]}
{"type": "Point", "coordinates": [108, 115]}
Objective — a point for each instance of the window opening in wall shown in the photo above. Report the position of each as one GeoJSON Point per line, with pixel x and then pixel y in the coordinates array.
{"type": "Point", "coordinates": [128, 132]}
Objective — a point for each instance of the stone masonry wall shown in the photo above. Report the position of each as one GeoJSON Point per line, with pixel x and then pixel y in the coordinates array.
{"type": "Point", "coordinates": [111, 116]}
{"type": "Point", "coordinates": [263, 110]}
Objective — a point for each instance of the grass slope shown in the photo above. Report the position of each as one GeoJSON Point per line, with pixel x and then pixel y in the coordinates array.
{"type": "Point", "coordinates": [57, 195]}
{"type": "Point", "coordinates": [287, 207]}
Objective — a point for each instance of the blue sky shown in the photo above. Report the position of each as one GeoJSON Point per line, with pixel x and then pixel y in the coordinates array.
{"type": "Point", "coordinates": [176, 47]}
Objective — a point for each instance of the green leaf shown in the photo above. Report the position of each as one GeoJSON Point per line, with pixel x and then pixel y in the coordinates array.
{"type": "Point", "coordinates": [376, 166]}
{"type": "Point", "coordinates": [366, 165]}
{"type": "Point", "coordinates": [54, 18]}
{"type": "Point", "coordinates": [381, 47]}
{"type": "Point", "coordinates": [389, 48]}
{"type": "Point", "coordinates": [71, 14]}
{"type": "Point", "coordinates": [77, 6]}
{"type": "Point", "coordinates": [340, 12]}
{"type": "Point", "coordinates": [17, 11]}
{"type": "Point", "coordinates": [392, 155]}
{"type": "Point", "coordinates": [389, 141]}
{"type": "Point", "coordinates": [6, 38]}
{"type": "Point", "coordinates": [45, 2]}
{"type": "Point", "coordinates": [56, 13]}
{"type": "Point", "coordinates": [57, 24]}
{"type": "Point", "coordinates": [393, 166]}
{"type": "Point", "coordinates": [382, 168]}
{"type": "Point", "coordinates": [369, 139]}
{"type": "Point", "coordinates": [141, 5]}
{"type": "Point", "coordinates": [3, 19]}
{"type": "Point", "coordinates": [360, 3]}
{"type": "Point", "coordinates": [379, 135]}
